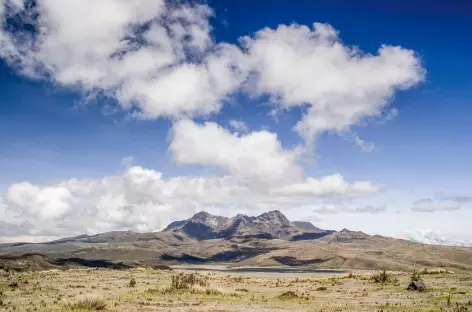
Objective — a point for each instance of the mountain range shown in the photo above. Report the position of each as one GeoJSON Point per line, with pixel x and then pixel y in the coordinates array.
{"type": "Point", "coordinates": [269, 239]}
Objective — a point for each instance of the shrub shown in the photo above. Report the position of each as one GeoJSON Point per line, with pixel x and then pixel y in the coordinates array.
{"type": "Point", "coordinates": [288, 295]}
{"type": "Point", "coordinates": [415, 277]}
{"type": "Point", "coordinates": [89, 303]}
{"type": "Point", "coordinates": [186, 281]}
{"type": "Point", "coordinates": [435, 271]}
{"type": "Point", "coordinates": [132, 283]}
{"type": "Point", "coordinates": [383, 277]}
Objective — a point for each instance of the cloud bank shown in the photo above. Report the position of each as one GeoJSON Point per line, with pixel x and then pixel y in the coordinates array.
{"type": "Point", "coordinates": [142, 199]}
{"type": "Point", "coordinates": [429, 236]}
{"type": "Point", "coordinates": [157, 60]}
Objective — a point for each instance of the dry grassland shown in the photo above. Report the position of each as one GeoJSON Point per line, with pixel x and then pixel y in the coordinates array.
{"type": "Point", "coordinates": [156, 290]}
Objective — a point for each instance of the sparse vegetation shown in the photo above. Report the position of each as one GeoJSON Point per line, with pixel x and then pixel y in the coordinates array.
{"type": "Point", "coordinates": [430, 271]}
{"type": "Point", "coordinates": [132, 283]}
{"type": "Point", "coordinates": [187, 281]}
{"type": "Point", "coordinates": [67, 291]}
{"type": "Point", "coordinates": [456, 308]}
{"type": "Point", "coordinates": [13, 285]}
{"type": "Point", "coordinates": [89, 303]}
{"type": "Point", "coordinates": [288, 295]}
{"type": "Point", "coordinates": [383, 277]}
{"type": "Point", "coordinates": [415, 277]}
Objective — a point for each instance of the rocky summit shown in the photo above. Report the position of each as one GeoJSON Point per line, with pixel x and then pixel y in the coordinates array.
{"type": "Point", "coordinates": [269, 225]}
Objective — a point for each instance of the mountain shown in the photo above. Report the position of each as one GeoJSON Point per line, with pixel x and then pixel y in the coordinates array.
{"type": "Point", "coordinates": [269, 239]}
{"type": "Point", "coordinates": [269, 225]}
{"type": "Point", "coordinates": [307, 226]}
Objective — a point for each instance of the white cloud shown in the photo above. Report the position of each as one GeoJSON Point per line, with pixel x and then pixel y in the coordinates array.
{"type": "Point", "coordinates": [343, 208]}
{"type": "Point", "coordinates": [362, 144]}
{"type": "Point", "coordinates": [239, 126]}
{"type": "Point", "coordinates": [149, 55]}
{"type": "Point", "coordinates": [256, 155]}
{"type": "Point", "coordinates": [429, 236]}
{"type": "Point", "coordinates": [329, 186]}
{"type": "Point", "coordinates": [161, 60]}
{"type": "Point", "coordinates": [141, 199]}
{"type": "Point", "coordinates": [47, 203]}
{"type": "Point", "coordinates": [442, 204]}
{"type": "Point", "coordinates": [296, 66]}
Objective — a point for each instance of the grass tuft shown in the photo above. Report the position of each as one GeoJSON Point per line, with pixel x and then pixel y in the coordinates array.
{"type": "Point", "coordinates": [383, 277]}
{"type": "Point", "coordinates": [92, 303]}
{"type": "Point", "coordinates": [288, 295]}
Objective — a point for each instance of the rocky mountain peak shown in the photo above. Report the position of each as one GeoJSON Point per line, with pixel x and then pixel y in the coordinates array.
{"type": "Point", "coordinates": [200, 216]}
{"type": "Point", "coordinates": [274, 216]}
{"type": "Point", "coordinates": [272, 224]}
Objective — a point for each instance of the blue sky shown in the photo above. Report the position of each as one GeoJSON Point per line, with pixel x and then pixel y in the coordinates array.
{"type": "Point", "coordinates": [53, 130]}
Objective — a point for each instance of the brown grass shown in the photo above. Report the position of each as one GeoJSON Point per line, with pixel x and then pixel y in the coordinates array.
{"type": "Point", "coordinates": [89, 302]}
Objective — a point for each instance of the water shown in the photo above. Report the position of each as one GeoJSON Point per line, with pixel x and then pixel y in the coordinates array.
{"type": "Point", "coordinates": [263, 272]}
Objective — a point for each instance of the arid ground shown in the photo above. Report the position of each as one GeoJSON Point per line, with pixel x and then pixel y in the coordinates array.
{"type": "Point", "coordinates": [211, 288]}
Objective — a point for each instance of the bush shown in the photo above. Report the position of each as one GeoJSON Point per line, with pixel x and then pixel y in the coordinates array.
{"type": "Point", "coordinates": [89, 303]}
{"type": "Point", "coordinates": [435, 271]}
{"type": "Point", "coordinates": [288, 295]}
{"type": "Point", "coordinates": [415, 277]}
{"type": "Point", "coordinates": [187, 281]}
{"type": "Point", "coordinates": [132, 283]}
{"type": "Point", "coordinates": [383, 277]}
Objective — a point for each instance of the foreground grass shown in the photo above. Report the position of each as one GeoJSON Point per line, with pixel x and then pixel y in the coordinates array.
{"type": "Point", "coordinates": [150, 290]}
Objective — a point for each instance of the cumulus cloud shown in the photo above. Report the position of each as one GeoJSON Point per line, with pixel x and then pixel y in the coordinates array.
{"type": "Point", "coordinates": [159, 60]}
{"type": "Point", "coordinates": [140, 199]}
{"type": "Point", "coordinates": [257, 155]}
{"type": "Point", "coordinates": [441, 204]}
{"type": "Point", "coordinates": [301, 66]}
{"type": "Point", "coordinates": [148, 55]}
{"type": "Point", "coordinates": [343, 208]}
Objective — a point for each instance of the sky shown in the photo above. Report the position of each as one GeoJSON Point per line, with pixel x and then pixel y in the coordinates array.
{"type": "Point", "coordinates": [128, 115]}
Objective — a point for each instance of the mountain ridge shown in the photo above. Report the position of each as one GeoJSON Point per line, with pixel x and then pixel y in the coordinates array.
{"type": "Point", "coordinates": [272, 224]}
{"type": "Point", "coordinates": [269, 239]}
